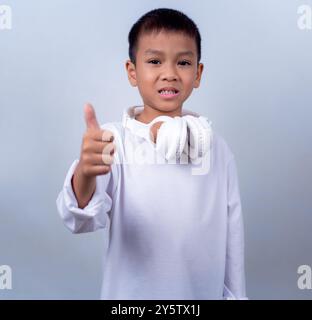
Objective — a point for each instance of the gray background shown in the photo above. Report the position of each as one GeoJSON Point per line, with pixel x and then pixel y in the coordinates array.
{"type": "Point", "coordinates": [256, 89]}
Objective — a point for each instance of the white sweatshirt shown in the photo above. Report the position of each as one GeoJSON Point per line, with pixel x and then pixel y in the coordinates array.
{"type": "Point", "coordinates": [172, 234]}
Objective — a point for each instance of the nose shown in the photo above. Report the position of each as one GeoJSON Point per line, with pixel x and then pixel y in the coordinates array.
{"type": "Point", "coordinates": [169, 78]}
{"type": "Point", "coordinates": [169, 74]}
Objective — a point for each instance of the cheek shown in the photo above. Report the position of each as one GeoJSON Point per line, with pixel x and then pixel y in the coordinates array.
{"type": "Point", "coordinates": [189, 82]}
{"type": "Point", "coordinates": [146, 79]}
{"type": "Point", "coordinates": [188, 76]}
{"type": "Point", "coordinates": [144, 73]}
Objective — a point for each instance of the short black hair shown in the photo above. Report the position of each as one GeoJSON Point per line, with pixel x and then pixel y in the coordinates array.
{"type": "Point", "coordinates": [163, 19]}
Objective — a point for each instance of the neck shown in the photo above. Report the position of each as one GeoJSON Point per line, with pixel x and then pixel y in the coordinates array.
{"type": "Point", "coordinates": [149, 114]}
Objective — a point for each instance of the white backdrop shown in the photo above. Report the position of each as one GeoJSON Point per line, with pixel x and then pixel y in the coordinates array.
{"type": "Point", "coordinates": [256, 89]}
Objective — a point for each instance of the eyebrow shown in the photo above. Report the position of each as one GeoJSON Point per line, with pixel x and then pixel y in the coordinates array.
{"type": "Point", "coordinates": [182, 53]}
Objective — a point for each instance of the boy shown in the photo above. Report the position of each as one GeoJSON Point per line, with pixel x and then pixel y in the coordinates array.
{"type": "Point", "coordinates": [173, 235]}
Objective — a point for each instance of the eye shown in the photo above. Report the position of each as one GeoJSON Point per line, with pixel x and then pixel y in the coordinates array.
{"type": "Point", "coordinates": [184, 63]}
{"type": "Point", "coordinates": [154, 60]}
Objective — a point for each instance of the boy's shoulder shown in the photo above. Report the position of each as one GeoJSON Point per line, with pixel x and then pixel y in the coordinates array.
{"type": "Point", "coordinates": [220, 148]}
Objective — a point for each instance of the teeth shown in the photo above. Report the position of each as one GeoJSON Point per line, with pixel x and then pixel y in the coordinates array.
{"type": "Point", "coordinates": [167, 92]}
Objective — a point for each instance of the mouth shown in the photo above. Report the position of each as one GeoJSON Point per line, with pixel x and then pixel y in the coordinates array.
{"type": "Point", "coordinates": [168, 92]}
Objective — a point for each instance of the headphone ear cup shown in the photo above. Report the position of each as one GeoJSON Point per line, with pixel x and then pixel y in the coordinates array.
{"type": "Point", "coordinates": [199, 136]}
{"type": "Point", "coordinates": [194, 137]}
{"type": "Point", "coordinates": [163, 141]}
{"type": "Point", "coordinates": [207, 133]}
{"type": "Point", "coordinates": [171, 138]}
{"type": "Point", "coordinates": [183, 136]}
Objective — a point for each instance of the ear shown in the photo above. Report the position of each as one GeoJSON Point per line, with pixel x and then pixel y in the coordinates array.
{"type": "Point", "coordinates": [199, 72]}
{"type": "Point", "coordinates": [130, 67]}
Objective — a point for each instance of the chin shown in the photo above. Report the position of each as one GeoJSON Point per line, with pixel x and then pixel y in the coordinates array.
{"type": "Point", "coordinates": [170, 109]}
{"type": "Point", "coordinates": [167, 107]}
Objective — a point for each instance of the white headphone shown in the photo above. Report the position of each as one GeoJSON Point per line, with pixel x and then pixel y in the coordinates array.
{"type": "Point", "coordinates": [187, 134]}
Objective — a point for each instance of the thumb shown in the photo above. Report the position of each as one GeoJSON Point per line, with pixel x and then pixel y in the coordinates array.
{"type": "Point", "coordinates": [90, 117]}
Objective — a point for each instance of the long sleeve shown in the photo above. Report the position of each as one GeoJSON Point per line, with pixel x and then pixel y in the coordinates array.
{"type": "Point", "coordinates": [234, 282]}
{"type": "Point", "coordinates": [92, 217]}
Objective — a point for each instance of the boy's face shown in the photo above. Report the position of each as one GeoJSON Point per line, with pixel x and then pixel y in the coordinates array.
{"type": "Point", "coordinates": [167, 68]}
